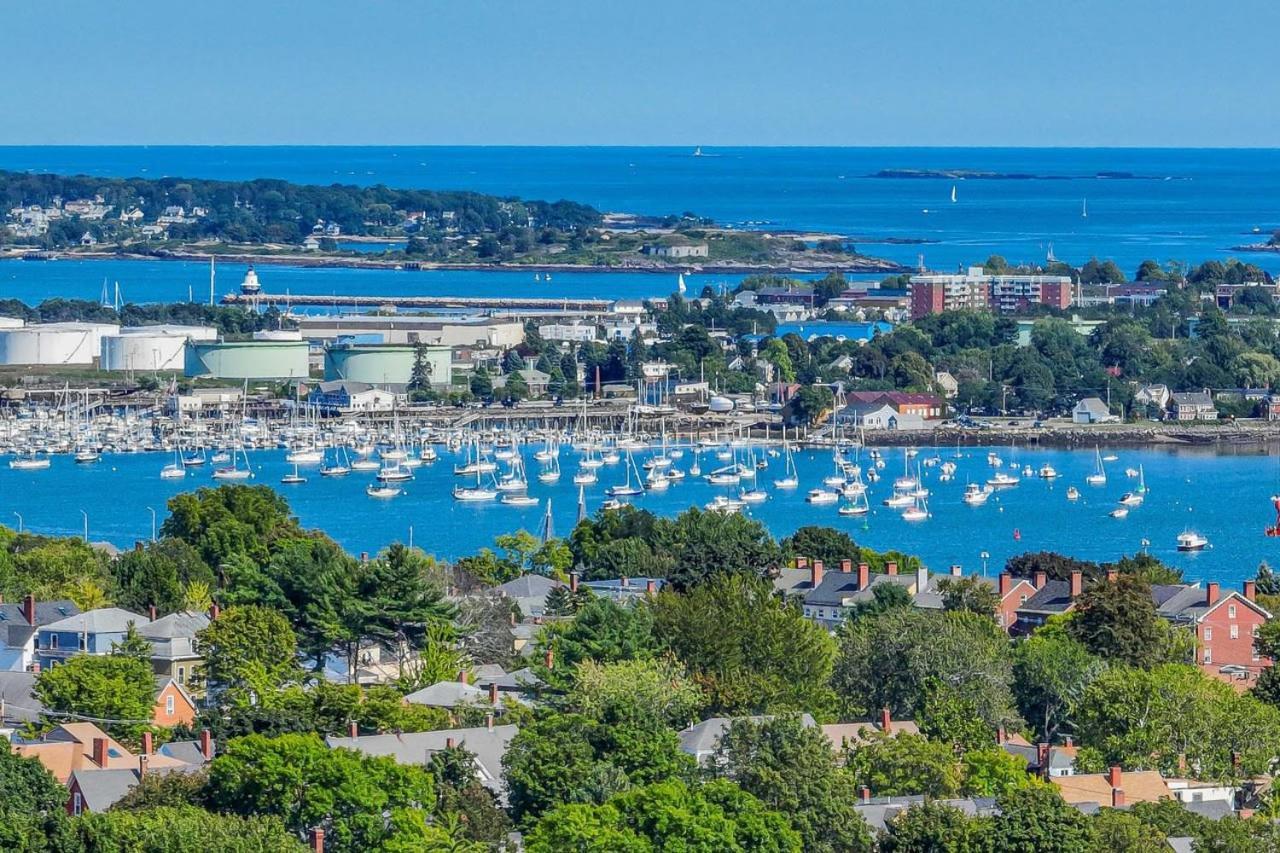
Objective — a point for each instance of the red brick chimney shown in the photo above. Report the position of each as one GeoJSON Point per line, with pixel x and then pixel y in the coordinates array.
{"type": "Point", "coordinates": [549, 659]}
{"type": "Point", "coordinates": [1006, 584]}
{"type": "Point", "coordinates": [1251, 590]}
{"type": "Point", "coordinates": [1042, 758]}
{"type": "Point", "coordinates": [802, 562]}
{"type": "Point", "coordinates": [864, 793]}
{"type": "Point", "coordinates": [462, 676]}
{"type": "Point", "coordinates": [624, 582]}
{"type": "Point", "coordinates": [35, 668]}
{"type": "Point", "coordinates": [886, 722]}
{"type": "Point", "coordinates": [493, 693]}
{"type": "Point", "coordinates": [148, 743]}
{"type": "Point", "coordinates": [864, 576]}
{"type": "Point", "coordinates": [956, 570]}
{"type": "Point", "coordinates": [1039, 579]}
{"type": "Point", "coordinates": [1117, 798]}
{"type": "Point", "coordinates": [315, 840]}
{"type": "Point", "coordinates": [846, 566]}
{"type": "Point", "coordinates": [1112, 574]}
{"type": "Point", "coordinates": [449, 743]}
{"type": "Point", "coordinates": [215, 611]}
{"type": "Point", "coordinates": [1113, 776]}
{"type": "Point", "coordinates": [651, 587]}
{"type": "Point", "coordinates": [1211, 593]}
{"type": "Point", "coordinates": [353, 730]}
{"type": "Point", "coordinates": [891, 568]}
{"type": "Point", "coordinates": [573, 581]}
{"type": "Point", "coordinates": [1001, 735]}
{"type": "Point", "coordinates": [29, 609]}
{"type": "Point", "coordinates": [1077, 583]}
{"type": "Point", "coordinates": [151, 612]}
{"type": "Point", "coordinates": [488, 721]}
{"type": "Point", "coordinates": [100, 751]}
{"type": "Point", "coordinates": [815, 573]}
{"type": "Point", "coordinates": [142, 764]}
{"type": "Point", "coordinates": [206, 744]}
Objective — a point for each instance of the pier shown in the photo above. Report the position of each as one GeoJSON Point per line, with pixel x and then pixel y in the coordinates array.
{"type": "Point", "coordinates": [253, 300]}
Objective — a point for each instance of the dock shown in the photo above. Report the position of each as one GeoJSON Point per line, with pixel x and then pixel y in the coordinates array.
{"type": "Point", "coordinates": [479, 303]}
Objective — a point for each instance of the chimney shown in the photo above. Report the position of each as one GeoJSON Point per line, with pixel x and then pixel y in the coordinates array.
{"type": "Point", "coordinates": [353, 730]}
{"type": "Point", "coordinates": [1112, 574]}
{"type": "Point", "coordinates": [1006, 584]}
{"type": "Point", "coordinates": [573, 581]}
{"type": "Point", "coordinates": [886, 722]}
{"type": "Point", "coordinates": [488, 721]}
{"type": "Point", "coordinates": [1182, 763]}
{"type": "Point", "coordinates": [624, 582]}
{"type": "Point", "coordinates": [651, 587]}
{"type": "Point", "coordinates": [142, 764]}
{"type": "Point", "coordinates": [35, 668]}
{"type": "Point", "coordinates": [922, 579]}
{"type": "Point", "coordinates": [1117, 798]}
{"type": "Point", "coordinates": [148, 743]}
{"type": "Point", "coordinates": [846, 566]}
{"type": "Point", "coordinates": [1001, 735]}
{"type": "Point", "coordinates": [815, 573]}
{"type": "Point", "coordinates": [215, 611]}
{"type": "Point", "coordinates": [864, 793]}
{"type": "Point", "coordinates": [206, 744]}
{"type": "Point", "coordinates": [1042, 758]}
{"type": "Point", "coordinates": [1235, 763]}
{"type": "Point", "coordinates": [549, 659]}
{"type": "Point", "coordinates": [364, 556]}
{"type": "Point", "coordinates": [1113, 776]}
{"type": "Point", "coordinates": [1251, 590]}
{"type": "Point", "coordinates": [802, 562]}
{"type": "Point", "coordinates": [1211, 593]}
{"type": "Point", "coordinates": [151, 612]}
{"type": "Point", "coordinates": [449, 743]}
{"type": "Point", "coordinates": [29, 609]}
{"type": "Point", "coordinates": [100, 751]}
{"type": "Point", "coordinates": [493, 693]}
{"type": "Point", "coordinates": [1039, 579]}
{"type": "Point", "coordinates": [864, 576]}
{"type": "Point", "coordinates": [1068, 741]}
{"type": "Point", "coordinates": [462, 676]}
{"type": "Point", "coordinates": [1077, 583]}
{"type": "Point", "coordinates": [956, 570]}
{"type": "Point", "coordinates": [891, 568]}
{"type": "Point", "coordinates": [315, 840]}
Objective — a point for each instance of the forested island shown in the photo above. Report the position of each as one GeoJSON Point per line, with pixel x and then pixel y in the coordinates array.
{"type": "Point", "coordinates": [272, 219]}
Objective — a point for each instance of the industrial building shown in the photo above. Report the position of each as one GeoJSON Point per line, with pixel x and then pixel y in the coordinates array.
{"type": "Point", "coordinates": [52, 344]}
{"type": "Point", "coordinates": [255, 359]}
{"type": "Point", "coordinates": [385, 364]}
{"type": "Point", "coordinates": [151, 347]}
{"type": "Point", "coordinates": [415, 328]}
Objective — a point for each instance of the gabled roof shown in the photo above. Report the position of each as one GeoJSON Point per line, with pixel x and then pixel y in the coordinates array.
{"type": "Point", "coordinates": [448, 694]}
{"type": "Point", "coordinates": [184, 624]}
{"type": "Point", "coordinates": [529, 586]}
{"type": "Point", "coordinates": [838, 589]}
{"type": "Point", "coordinates": [102, 789]}
{"type": "Point", "coordinates": [488, 746]}
{"type": "Point", "coordinates": [1139, 786]}
{"type": "Point", "coordinates": [1053, 597]}
{"type": "Point", "coordinates": [46, 612]}
{"type": "Point", "coordinates": [1192, 398]}
{"type": "Point", "coordinates": [704, 737]}
{"type": "Point", "coordinates": [18, 697]}
{"type": "Point", "coordinates": [104, 620]}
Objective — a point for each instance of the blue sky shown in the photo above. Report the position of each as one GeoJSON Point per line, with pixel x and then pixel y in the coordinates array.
{"type": "Point", "coordinates": [710, 72]}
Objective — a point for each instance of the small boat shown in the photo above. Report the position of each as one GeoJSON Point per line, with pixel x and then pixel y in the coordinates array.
{"type": "Point", "coordinates": [232, 473]}
{"type": "Point", "coordinates": [294, 478]}
{"type": "Point", "coordinates": [753, 496]}
{"type": "Point", "coordinates": [1028, 472]}
{"type": "Point", "coordinates": [585, 478]}
{"type": "Point", "coordinates": [306, 456]}
{"type": "Point", "coordinates": [1110, 457]}
{"type": "Point", "coordinates": [1130, 499]}
{"type": "Point", "coordinates": [1099, 475]}
{"type": "Point", "coordinates": [975, 495]}
{"type": "Point", "coordinates": [612, 504]}
{"type": "Point", "coordinates": [519, 500]}
{"type": "Point", "coordinates": [1189, 540]}
{"type": "Point", "coordinates": [217, 459]}
{"type": "Point", "coordinates": [1119, 512]}
{"type": "Point", "coordinates": [472, 494]}
{"type": "Point", "coordinates": [1073, 494]}
{"type": "Point", "coordinates": [722, 504]}
{"type": "Point", "coordinates": [1048, 472]}
{"type": "Point", "coordinates": [172, 471]}
{"type": "Point", "coordinates": [87, 456]}
{"type": "Point", "coordinates": [821, 496]}
{"type": "Point", "coordinates": [375, 491]}
{"type": "Point", "coordinates": [365, 465]}
{"type": "Point", "coordinates": [1002, 479]}
{"type": "Point", "coordinates": [30, 463]}
{"type": "Point", "coordinates": [899, 500]}
{"type": "Point", "coordinates": [1131, 472]}
{"type": "Point", "coordinates": [853, 509]}
{"type": "Point", "coordinates": [919, 511]}
{"type": "Point", "coordinates": [335, 470]}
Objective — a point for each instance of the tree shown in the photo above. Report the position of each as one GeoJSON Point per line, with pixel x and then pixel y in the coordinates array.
{"type": "Point", "coordinates": [708, 544]}
{"type": "Point", "coordinates": [109, 687]}
{"type": "Point", "coordinates": [904, 764]}
{"type": "Point", "coordinates": [603, 631]}
{"type": "Point", "coordinates": [950, 716]}
{"type": "Point", "coordinates": [933, 827]}
{"type": "Point", "coordinates": [515, 388]}
{"type": "Point", "coordinates": [815, 542]}
{"type": "Point", "coordinates": [791, 768]}
{"type": "Point", "coordinates": [670, 815]}
{"type": "Point", "coordinates": [1035, 818]}
{"type": "Point", "coordinates": [970, 594]}
{"type": "Point", "coordinates": [480, 383]}
{"type": "Point", "coordinates": [406, 601]}
{"type": "Point", "coordinates": [992, 772]}
{"type": "Point", "coordinates": [157, 575]}
{"type": "Point", "coordinates": [1117, 621]}
{"type": "Point", "coordinates": [1117, 830]}
{"type": "Point", "coordinates": [775, 352]}
{"type": "Point", "coordinates": [750, 651]}
{"type": "Point", "coordinates": [133, 645]}
{"type": "Point", "coordinates": [810, 403]}
{"type": "Point", "coordinates": [654, 692]}
{"type": "Point", "coordinates": [184, 828]}
{"type": "Point", "coordinates": [33, 808]}
{"type": "Point", "coordinates": [248, 650]}
{"type": "Point", "coordinates": [304, 783]}
{"type": "Point", "coordinates": [571, 758]}
{"type": "Point", "coordinates": [420, 375]}
{"type": "Point", "coordinates": [231, 520]}
{"type": "Point", "coordinates": [1051, 672]}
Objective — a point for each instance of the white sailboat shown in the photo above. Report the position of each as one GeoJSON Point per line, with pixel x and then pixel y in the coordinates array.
{"type": "Point", "coordinates": [1099, 475]}
{"type": "Point", "coordinates": [953, 193]}
{"type": "Point", "coordinates": [680, 287]}
{"type": "Point", "coordinates": [628, 489]}
{"type": "Point", "coordinates": [790, 479]}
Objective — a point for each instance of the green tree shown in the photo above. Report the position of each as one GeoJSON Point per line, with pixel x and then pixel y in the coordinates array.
{"type": "Point", "coordinates": [1034, 818]}
{"type": "Point", "coordinates": [708, 544]}
{"type": "Point", "coordinates": [970, 594]}
{"type": "Point", "coordinates": [992, 772]}
{"type": "Point", "coordinates": [1117, 621]}
{"type": "Point", "coordinates": [420, 374]}
{"type": "Point", "coordinates": [603, 631]}
{"type": "Point", "coordinates": [33, 807]}
{"type": "Point", "coordinates": [184, 828]}
{"type": "Point", "coordinates": [133, 645]}
{"type": "Point", "coordinates": [653, 692]}
{"type": "Point", "coordinates": [1051, 672]}
{"type": "Point", "coordinates": [933, 827]}
{"type": "Point", "coordinates": [109, 687]}
{"type": "Point", "coordinates": [1118, 830]}
{"type": "Point", "coordinates": [775, 352]}
{"type": "Point", "coordinates": [750, 651]}
{"type": "Point", "coordinates": [811, 403]}
{"type": "Point", "coordinates": [248, 650]}
{"type": "Point", "coordinates": [904, 764]}
{"type": "Point", "coordinates": [231, 520]}
{"type": "Point", "coordinates": [791, 768]}
{"type": "Point", "coordinates": [481, 385]}
{"type": "Point", "coordinates": [157, 575]}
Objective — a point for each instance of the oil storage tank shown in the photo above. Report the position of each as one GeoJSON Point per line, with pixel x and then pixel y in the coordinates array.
{"type": "Point", "coordinates": [384, 364]}
{"type": "Point", "coordinates": [256, 359]}
{"type": "Point", "coordinates": [53, 344]}
{"type": "Point", "coordinates": [151, 347]}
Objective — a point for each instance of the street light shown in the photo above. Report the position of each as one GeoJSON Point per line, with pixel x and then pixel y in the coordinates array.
{"type": "Point", "coordinates": [86, 525]}
{"type": "Point", "coordinates": [984, 556]}
{"type": "Point", "coordinates": [153, 523]}
{"type": "Point", "coordinates": [19, 515]}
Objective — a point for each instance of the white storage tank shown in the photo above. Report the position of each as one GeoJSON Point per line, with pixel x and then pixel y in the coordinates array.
{"type": "Point", "coordinates": [720, 404]}
{"type": "Point", "coordinates": [54, 343]}
{"type": "Point", "coordinates": [151, 347]}
{"type": "Point", "coordinates": [278, 335]}
{"type": "Point", "coordinates": [12, 323]}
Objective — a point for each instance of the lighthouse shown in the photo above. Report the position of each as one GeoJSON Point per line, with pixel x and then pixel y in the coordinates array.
{"type": "Point", "coordinates": [250, 285]}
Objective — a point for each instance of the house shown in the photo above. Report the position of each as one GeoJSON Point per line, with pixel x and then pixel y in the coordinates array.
{"type": "Point", "coordinates": [342, 397]}
{"type": "Point", "coordinates": [827, 596]}
{"type": "Point", "coordinates": [311, 244]}
{"type": "Point", "coordinates": [1193, 406]}
{"type": "Point", "coordinates": [878, 812]}
{"type": "Point", "coordinates": [488, 743]}
{"type": "Point", "coordinates": [1272, 407]}
{"type": "Point", "coordinates": [94, 632]}
{"type": "Point", "coordinates": [670, 248]}
{"type": "Point", "coordinates": [1043, 759]}
{"type": "Point", "coordinates": [1013, 593]}
{"type": "Point", "coordinates": [534, 379]}
{"type": "Point", "coordinates": [1153, 395]}
{"type": "Point", "coordinates": [621, 589]}
{"type": "Point", "coordinates": [877, 416]}
{"type": "Point", "coordinates": [19, 624]}
{"type": "Point", "coordinates": [701, 740]}
{"type": "Point", "coordinates": [173, 704]}
{"type": "Point", "coordinates": [456, 695]}
{"type": "Point", "coordinates": [926, 406]}
{"type": "Point", "coordinates": [529, 592]}
{"type": "Point", "coordinates": [1114, 788]}
{"type": "Point", "coordinates": [87, 239]}
{"type": "Point", "coordinates": [947, 383]}
{"type": "Point", "coordinates": [1091, 410]}
{"type": "Point", "coordinates": [173, 645]}
{"type": "Point", "coordinates": [70, 747]}
{"type": "Point", "coordinates": [97, 788]}
{"type": "Point", "coordinates": [845, 735]}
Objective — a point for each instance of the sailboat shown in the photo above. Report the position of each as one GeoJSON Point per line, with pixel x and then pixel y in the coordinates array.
{"type": "Point", "coordinates": [474, 493]}
{"type": "Point", "coordinates": [1084, 208]}
{"type": "Point", "coordinates": [233, 471]}
{"type": "Point", "coordinates": [953, 193]}
{"type": "Point", "coordinates": [294, 478]}
{"type": "Point", "coordinates": [174, 470]}
{"type": "Point", "coordinates": [680, 288]}
{"type": "Point", "coordinates": [1099, 475]}
{"type": "Point", "coordinates": [628, 489]}
{"type": "Point", "coordinates": [339, 468]}
{"type": "Point", "coordinates": [790, 479]}
{"type": "Point", "coordinates": [858, 504]}
{"type": "Point", "coordinates": [918, 512]}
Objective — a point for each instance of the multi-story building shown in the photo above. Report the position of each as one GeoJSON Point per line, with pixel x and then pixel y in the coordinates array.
{"type": "Point", "coordinates": [976, 290]}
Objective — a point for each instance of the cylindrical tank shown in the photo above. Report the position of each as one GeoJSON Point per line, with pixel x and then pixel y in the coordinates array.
{"type": "Point", "coordinates": [151, 347]}
{"type": "Point", "coordinates": [278, 335]}
{"type": "Point", "coordinates": [375, 364]}
{"type": "Point", "coordinates": [12, 323]}
{"type": "Point", "coordinates": [54, 343]}
{"type": "Point", "coordinates": [247, 359]}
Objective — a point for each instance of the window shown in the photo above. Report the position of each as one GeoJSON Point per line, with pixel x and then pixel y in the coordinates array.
{"type": "Point", "coordinates": [182, 675]}
{"type": "Point", "coordinates": [53, 641]}
{"type": "Point", "coordinates": [1231, 611]}
{"type": "Point", "coordinates": [1208, 655]}
{"type": "Point", "coordinates": [1022, 599]}
{"type": "Point", "coordinates": [168, 704]}
{"type": "Point", "coordinates": [1235, 632]}
{"type": "Point", "coordinates": [84, 642]}
{"type": "Point", "coordinates": [1254, 632]}
{"type": "Point", "coordinates": [77, 802]}
{"type": "Point", "coordinates": [1208, 633]}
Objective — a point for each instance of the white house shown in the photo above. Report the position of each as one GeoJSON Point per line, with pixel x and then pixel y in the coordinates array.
{"type": "Point", "coordinates": [1091, 410]}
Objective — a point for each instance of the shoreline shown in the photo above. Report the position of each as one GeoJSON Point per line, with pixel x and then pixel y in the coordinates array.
{"type": "Point", "coordinates": [1070, 437]}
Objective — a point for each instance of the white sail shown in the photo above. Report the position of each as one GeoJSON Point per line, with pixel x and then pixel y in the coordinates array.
{"type": "Point", "coordinates": [680, 283]}
{"type": "Point", "coordinates": [953, 193]}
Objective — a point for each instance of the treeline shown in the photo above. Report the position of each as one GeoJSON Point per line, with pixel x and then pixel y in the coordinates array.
{"type": "Point", "coordinates": [279, 211]}
{"type": "Point", "coordinates": [228, 320]}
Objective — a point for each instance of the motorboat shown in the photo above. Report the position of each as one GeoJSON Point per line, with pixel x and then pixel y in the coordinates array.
{"type": "Point", "coordinates": [822, 496]}
{"type": "Point", "coordinates": [511, 499]}
{"type": "Point", "coordinates": [1130, 499]}
{"type": "Point", "coordinates": [612, 504]}
{"type": "Point", "coordinates": [1189, 540]}
{"type": "Point", "coordinates": [29, 463]}
{"type": "Point", "coordinates": [87, 456]}
{"type": "Point", "coordinates": [375, 491]}
{"type": "Point", "coordinates": [1119, 512]}
{"type": "Point", "coordinates": [1048, 472]}
{"type": "Point", "coordinates": [585, 478]}
{"type": "Point", "coordinates": [722, 504]}
{"type": "Point", "coordinates": [975, 495]}
{"type": "Point", "coordinates": [1002, 479]}
{"type": "Point", "coordinates": [1073, 494]}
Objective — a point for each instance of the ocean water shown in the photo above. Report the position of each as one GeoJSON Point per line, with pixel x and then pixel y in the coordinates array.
{"type": "Point", "coordinates": [1185, 204]}
{"type": "Point", "coordinates": [1187, 489]}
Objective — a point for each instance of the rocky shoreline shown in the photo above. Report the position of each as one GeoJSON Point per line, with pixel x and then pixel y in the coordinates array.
{"type": "Point", "coordinates": [1241, 434]}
